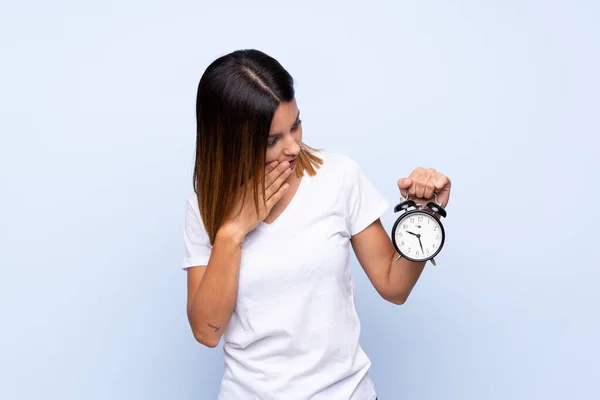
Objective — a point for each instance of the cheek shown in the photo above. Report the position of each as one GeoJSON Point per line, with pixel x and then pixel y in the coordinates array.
{"type": "Point", "coordinates": [270, 156]}
{"type": "Point", "coordinates": [298, 135]}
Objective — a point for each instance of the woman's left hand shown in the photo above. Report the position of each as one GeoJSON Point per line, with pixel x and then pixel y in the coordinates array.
{"type": "Point", "coordinates": [422, 183]}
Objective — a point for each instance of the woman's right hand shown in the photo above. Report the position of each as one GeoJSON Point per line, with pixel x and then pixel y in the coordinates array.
{"type": "Point", "coordinates": [244, 218]}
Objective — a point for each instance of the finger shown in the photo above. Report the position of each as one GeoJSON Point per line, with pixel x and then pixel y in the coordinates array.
{"type": "Point", "coordinates": [420, 186]}
{"type": "Point", "coordinates": [443, 190]}
{"type": "Point", "coordinates": [270, 166]}
{"type": "Point", "coordinates": [267, 169]}
{"type": "Point", "coordinates": [274, 187]}
{"type": "Point", "coordinates": [420, 190]}
{"type": "Point", "coordinates": [423, 186]}
{"type": "Point", "coordinates": [441, 183]}
{"type": "Point", "coordinates": [403, 185]}
{"type": "Point", "coordinates": [277, 196]}
{"type": "Point", "coordinates": [429, 188]}
{"type": "Point", "coordinates": [427, 183]}
{"type": "Point", "coordinates": [275, 173]}
{"type": "Point", "coordinates": [412, 190]}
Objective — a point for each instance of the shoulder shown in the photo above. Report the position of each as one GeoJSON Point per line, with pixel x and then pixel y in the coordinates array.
{"type": "Point", "coordinates": [192, 202]}
{"type": "Point", "coordinates": [192, 198]}
{"type": "Point", "coordinates": [338, 164]}
{"type": "Point", "coordinates": [334, 157]}
{"type": "Point", "coordinates": [195, 229]}
{"type": "Point", "coordinates": [339, 174]}
{"type": "Point", "coordinates": [192, 209]}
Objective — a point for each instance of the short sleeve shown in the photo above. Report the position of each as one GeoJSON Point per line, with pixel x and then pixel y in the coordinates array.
{"type": "Point", "coordinates": [365, 203]}
{"type": "Point", "coordinates": [196, 242]}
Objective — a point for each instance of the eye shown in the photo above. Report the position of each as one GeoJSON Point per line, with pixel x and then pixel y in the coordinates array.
{"type": "Point", "coordinates": [296, 125]}
{"type": "Point", "coordinates": [272, 142]}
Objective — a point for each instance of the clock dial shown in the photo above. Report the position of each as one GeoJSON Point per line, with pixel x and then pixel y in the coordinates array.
{"type": "Point", "coordinates": [419, 236]}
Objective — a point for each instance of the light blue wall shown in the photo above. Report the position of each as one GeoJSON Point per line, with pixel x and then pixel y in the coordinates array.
{"type": "Point", "coordinates": [97, 140]}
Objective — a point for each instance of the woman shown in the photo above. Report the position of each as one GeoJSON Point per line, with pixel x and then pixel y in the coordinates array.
{"type": "Point", "coordinates": [267, 237]}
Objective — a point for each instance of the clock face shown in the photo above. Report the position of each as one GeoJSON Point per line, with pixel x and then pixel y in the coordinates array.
{"type": "Point", "coordinates": [418, 236]}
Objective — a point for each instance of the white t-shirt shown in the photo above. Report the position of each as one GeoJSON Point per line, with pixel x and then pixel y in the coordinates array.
{"type": "Point", "coordinates": [294, 333]}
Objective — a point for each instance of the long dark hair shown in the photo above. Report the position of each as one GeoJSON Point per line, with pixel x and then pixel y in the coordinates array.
{"type": "Point", "coordinates": [237, 98]}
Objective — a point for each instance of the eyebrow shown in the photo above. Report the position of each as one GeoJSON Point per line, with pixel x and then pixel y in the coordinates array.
{"type": "Point", "coordinates": [295, 122]}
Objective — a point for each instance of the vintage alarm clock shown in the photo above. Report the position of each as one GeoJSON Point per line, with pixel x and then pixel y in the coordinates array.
{"type": "Point", "coordinates": [417, 234]}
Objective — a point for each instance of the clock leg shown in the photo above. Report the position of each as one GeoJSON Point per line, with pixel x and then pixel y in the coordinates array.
{"type": "Point", "coordinates": [433, 261]}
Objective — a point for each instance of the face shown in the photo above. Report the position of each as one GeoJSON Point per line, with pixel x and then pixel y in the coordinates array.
{"type": "Point", "coordinates": [285, 135]}
{"type": "Point", "coordinates": [419, 236]}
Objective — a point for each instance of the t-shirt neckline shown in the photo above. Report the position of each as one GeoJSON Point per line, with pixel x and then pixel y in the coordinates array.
{"type": "Point", "coordinates": [263, 226]}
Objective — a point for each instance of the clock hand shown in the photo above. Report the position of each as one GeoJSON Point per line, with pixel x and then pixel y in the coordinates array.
{"type": "Point", "coordinates": [418, 235]}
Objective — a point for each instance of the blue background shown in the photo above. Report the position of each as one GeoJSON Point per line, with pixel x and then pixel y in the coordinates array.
{"type": "Point", "coordinates": [97, 130]}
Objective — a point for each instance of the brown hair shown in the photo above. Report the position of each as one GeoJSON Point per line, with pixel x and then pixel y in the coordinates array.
{"type": "Point", "coordinates": [237, 98]}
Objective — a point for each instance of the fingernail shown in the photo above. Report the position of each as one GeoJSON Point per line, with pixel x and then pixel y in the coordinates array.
{"type": "Point", "coordinates": [406, 181]}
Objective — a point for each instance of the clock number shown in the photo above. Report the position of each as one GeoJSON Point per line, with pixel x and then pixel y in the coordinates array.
{"type": "Point", "coordinates": [420, 219]}
{"type": "Point", "coordinates": [412, 220]}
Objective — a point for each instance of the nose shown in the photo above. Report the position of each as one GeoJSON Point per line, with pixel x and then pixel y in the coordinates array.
{"type": "Point", "coordinates": [292, 148]}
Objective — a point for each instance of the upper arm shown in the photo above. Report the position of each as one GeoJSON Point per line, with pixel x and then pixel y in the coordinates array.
{"type": "Point", "coordinates": [371, 244]}
{"type": "Point", "coordinates": [197, 248]}
{"type": "Point", "coordinates": [374, 251]}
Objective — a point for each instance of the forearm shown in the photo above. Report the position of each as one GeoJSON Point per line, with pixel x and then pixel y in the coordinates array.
{"type": "Point", "coordinates": [402, 277]}
{"type": "Point", "coordinates": [214, 300]}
